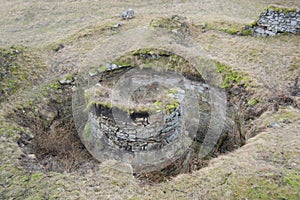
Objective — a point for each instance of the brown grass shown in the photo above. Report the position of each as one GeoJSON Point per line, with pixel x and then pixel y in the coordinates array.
{"type": "Point", "coordinates": [267, 166]}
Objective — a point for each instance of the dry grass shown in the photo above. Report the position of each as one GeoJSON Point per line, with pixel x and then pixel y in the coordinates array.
{"type": "Point", "coordinates": [267, 166]}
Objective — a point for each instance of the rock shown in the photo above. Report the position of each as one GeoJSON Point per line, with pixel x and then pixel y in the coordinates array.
{"type": "Point", "coordinates": [117, 25]}
{"type": "Point", "coordinates": [260, 31]}
{"type": "Point", "coordinates": [277, 20]}
{"type": "Point", "coordinates": [67, 80]}
{"type": "Point", "coordinates": [274, 125]}
{"type": "Point", "coordinates": [270, 33]}
{"type": "Point", "coordinates": [93, 72]}
{"type": "Point", "coordinates": [127, 14]}
{"type": "Point", "coordinates": [114, 66]}
{"type": "Point", "coordinates": [108, 67]}
{"type": "Point", "coordinates": [293, 23]}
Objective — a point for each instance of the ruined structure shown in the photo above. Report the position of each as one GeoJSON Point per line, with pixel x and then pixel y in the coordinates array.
{"type": "Point", "coordinates": [151, 117]}
{"type": "Point", "coordinates": [276, 20]}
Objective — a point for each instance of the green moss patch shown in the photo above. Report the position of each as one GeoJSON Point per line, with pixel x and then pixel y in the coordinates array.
{"type": "Point", "coordinates": [157, 59]}
{"type": "Point", "coordinates": [252, 102]}
{"type": "Point", "coordinates": [18, 68]}
{"type": "Point", "coordinates": [174, 23]}
{"type": "Point", "coordinates": [224, 26]}
{"type": "Point", "coordinates": [281, 9]}
{"type": "Point", "coordinates": [230, 77]}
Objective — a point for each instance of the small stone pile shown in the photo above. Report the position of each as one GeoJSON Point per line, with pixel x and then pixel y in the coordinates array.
{"type": "Point", "coordinates": [275, 21]}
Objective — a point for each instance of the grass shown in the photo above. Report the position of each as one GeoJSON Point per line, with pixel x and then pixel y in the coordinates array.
{"type": "Point", "coordinates": [252, 102]}
{"type": "Point", "coordinates": [231, 77]}
{"type": "Point", "coordinates": [255, 56]}
{"type": "Point", "coordinates": [281, 9]}
{"type": "Point", "coordinates": [19, 67]}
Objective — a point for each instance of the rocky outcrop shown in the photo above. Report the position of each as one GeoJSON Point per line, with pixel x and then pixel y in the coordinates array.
{"type": "Point", "coordinates": [276, 20]}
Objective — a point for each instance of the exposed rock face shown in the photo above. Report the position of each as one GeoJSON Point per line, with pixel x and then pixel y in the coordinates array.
{"type": "Point", "coordinates": [277, 20]}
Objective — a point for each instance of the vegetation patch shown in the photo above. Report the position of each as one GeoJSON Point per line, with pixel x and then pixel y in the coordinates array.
{"type": "Point", "coordinates": [47, 133]}
{"type": "Point", "coordinates": [158, 59]}
{"type": "Point", "coordinates": [175, 23]}
{"type": "Point", "coordinates": [224, 26]}
{"type": "Point", "coordinates": [18, 68]}
{"type": "Point", "coordinates": [230, 77]}
{"type": "Point", "coordinates": [281, 9]}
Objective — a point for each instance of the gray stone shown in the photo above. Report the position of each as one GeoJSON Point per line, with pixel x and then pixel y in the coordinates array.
{"type": "Point", "coordinates": [114, 66]}
{"type": "Point", "coordinates": [277, 21]}
{"type": "Point", "coordinates": [93, 72]}
{"type": "Point", "coordinates": [127, 14]}
{"type": "Point", "coordinates": [260, 30]}
{"type": "Point", "coordinates": [270, 33]}
{"type": "Point", "coordinates": [274, 125]}
{"type": "Point", "coordinates": [293, 23]}
{"type": "Point", "coordinates": [117, 25]}
{"type": "Point", "coordinates": [67, 80]}
{"type": "Point", "coordinates": [108, 67]}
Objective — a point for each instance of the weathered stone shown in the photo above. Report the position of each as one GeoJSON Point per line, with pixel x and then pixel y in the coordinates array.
{"type": "Point", "coordinates": [270, 33]}
{"type": "Point", "coordinates": [260, 30]}
{"type": "Point", "coordinates": [127, 14]}
{"type": "Point", "coordinates": [277, 21]}
{"type": "Point", "coordinates": [293, 23]}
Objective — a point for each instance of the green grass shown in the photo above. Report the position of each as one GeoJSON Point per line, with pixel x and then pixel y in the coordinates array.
{"type": "Point", "coordinates": [252, 102]}
{"type": "Point", "coordinates": [281, 9]}
{"type": "Point", "coordinates": [230, 77]}
{"type": "Point", "coordinates": [19, 67]}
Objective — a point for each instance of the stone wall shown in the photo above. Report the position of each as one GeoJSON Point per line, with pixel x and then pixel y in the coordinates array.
{"type": "Point", "coordinates": [277, 20]}
{"type": "Point", "coordinates": [139, 136]}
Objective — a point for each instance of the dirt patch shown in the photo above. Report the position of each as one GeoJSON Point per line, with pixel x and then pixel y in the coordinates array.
{"type": "Point", "coordinates": [54, 145]}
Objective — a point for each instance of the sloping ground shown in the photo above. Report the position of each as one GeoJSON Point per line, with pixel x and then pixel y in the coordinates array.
{"type": "Point", "coordinates": [267, 167]}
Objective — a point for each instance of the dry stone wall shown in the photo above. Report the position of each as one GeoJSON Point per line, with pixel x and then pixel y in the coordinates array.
{"type": "Point", "coordinates": [277, 20]}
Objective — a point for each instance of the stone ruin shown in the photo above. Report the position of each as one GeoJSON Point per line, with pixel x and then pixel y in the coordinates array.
{"type": "Point", "coordinates": [151, 118]}
{"type": "Point", "coordinates": [276, 20]}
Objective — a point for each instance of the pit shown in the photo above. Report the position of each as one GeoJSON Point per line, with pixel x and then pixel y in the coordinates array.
{"type": "Point", "coordinates": [162, 119]}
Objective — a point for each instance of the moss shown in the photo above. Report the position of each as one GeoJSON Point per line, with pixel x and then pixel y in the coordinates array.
{"type": "Point", "coordinates": [281, 9]}
{"type": "Point", "coordinates": [254, 23]}
{"type": "Point", "coordinates": [151, 51]}
{"type": "Point", "coordinates": [165, 23]}
{"type": "Point", "coordinates": [225, 26]}
{"type": "Point", "coordinates": [158, 105]}
{"type": "Point", "coordinates": [55, 86]}
{"type": "Point", "coordinates": [171, 106]}
{"type": "Point", "coordinates": [252, 102]}
{"type": "Point", "coordinates": [19, 67]}
{"type": "Point", "coordinates": [246, 32]}
{"type": "Point", "coordinates": [231, 31]}
{"type": "Point", "coordinates": [87, 131]}
{"type": "Point", "coordinates": [292, 180]}
{"type": "Point", "coordinates": [36, 176]}
{"type": "Point", "coordinates": [123, 61]}
{"type": "Point", "coordinates": [172, 91]}
{"type": "Point", "coordinates": [142, 51]}
{"type": "Point", "coordinates": [102, 68]}
{"type": "Point", "coordinates": [267, 185]}
{"type": "Point", "coordinates": [69, 77]}
{"type": "Point", "coordinates": [230, 77]}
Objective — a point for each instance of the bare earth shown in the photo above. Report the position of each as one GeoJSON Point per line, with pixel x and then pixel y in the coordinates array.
{"type": "Point", "coordinates": [266, 167]}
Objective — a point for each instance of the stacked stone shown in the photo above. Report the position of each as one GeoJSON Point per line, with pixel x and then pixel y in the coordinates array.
{"type": "Point", "coordinates": [126, 135]}
{"type": "Point", "coordinates": [272, 22]}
